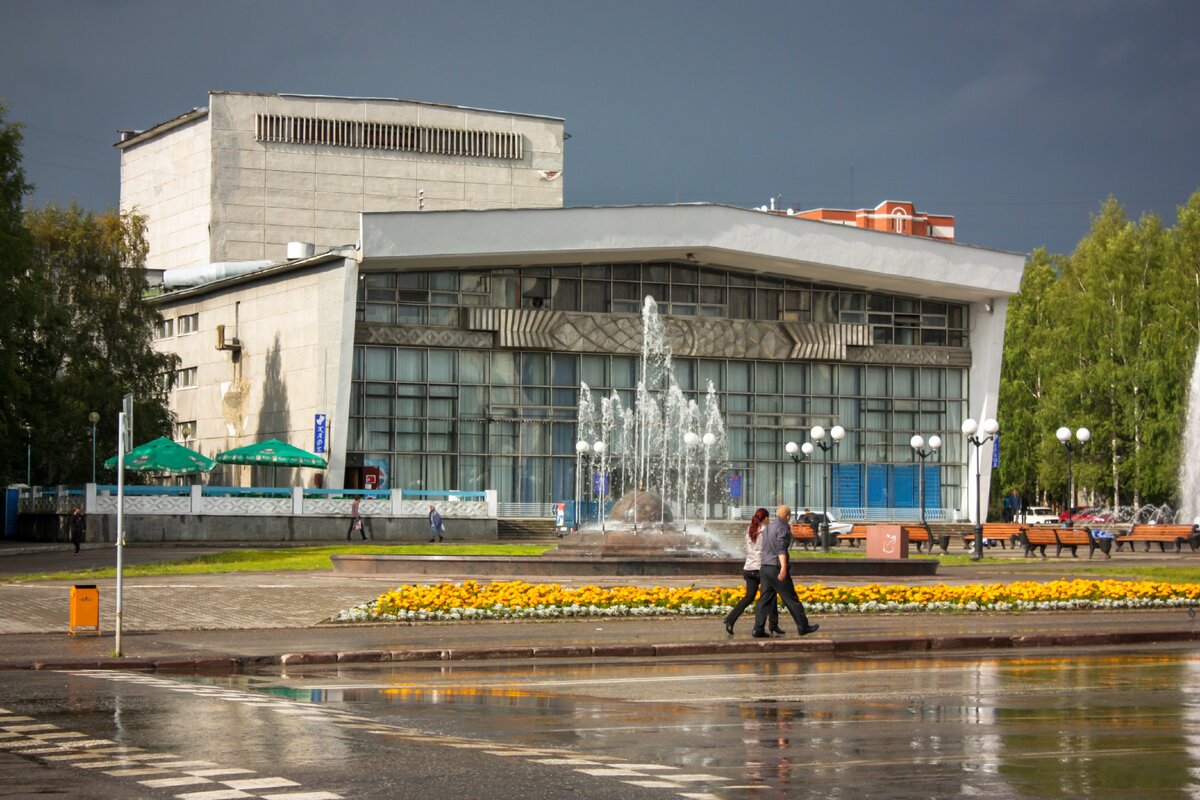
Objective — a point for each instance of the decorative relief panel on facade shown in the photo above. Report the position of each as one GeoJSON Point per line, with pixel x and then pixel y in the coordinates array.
{"type": "Point", "coordinates": [910, 355]}
{"type": "Point", "coordinates": [698, 337]}
{"type": "Point", "coordinates": [517, 328]}
{"type": "Point", "coordinates": [413, 336]}
{"type": "Point", "coordinates": [825, 341]}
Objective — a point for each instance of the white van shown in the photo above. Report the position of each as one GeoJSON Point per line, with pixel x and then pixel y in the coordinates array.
{"type": "Point", "coordinates": [1038, 515]}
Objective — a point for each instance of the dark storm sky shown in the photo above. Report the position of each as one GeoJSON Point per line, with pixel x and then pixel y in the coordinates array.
{"type": "Point", "coordinates": [1017, 117]}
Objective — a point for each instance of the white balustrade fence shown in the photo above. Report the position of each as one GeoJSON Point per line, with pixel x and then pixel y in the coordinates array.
{"type": "Point", "coordinates": [230, 501]}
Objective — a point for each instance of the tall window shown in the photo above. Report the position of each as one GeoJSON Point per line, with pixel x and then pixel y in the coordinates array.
{"type": "Point", "coordinates": [188, 323]}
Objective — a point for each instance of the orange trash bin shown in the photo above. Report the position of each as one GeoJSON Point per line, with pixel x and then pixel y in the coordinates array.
{"type": "Point", "coordinates": [85, 609]}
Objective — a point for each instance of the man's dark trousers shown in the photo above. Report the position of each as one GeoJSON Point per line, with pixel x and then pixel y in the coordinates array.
{"type": "Point", "coordinates": [772, 586]}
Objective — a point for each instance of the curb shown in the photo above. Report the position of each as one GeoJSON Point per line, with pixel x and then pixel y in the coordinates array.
{"type": "Point", "coordinates": [212, 664]}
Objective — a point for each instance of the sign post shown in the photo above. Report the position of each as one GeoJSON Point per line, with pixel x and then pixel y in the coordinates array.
{"type": "Point", "coordinates": [320, 433]}
{"type": "Point", "coordinates": [124, 445]}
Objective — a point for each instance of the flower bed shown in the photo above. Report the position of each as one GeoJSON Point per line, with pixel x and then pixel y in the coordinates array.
{"type": "Point", "coordinates": [518, 599]}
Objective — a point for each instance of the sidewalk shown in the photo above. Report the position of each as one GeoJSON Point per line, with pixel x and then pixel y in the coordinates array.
{"type": "Point", "coordinates": [241, 621]}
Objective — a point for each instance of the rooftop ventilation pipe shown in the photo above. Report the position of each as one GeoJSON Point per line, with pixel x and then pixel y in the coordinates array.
{"type": "Point", "coordinates": [186, 277]}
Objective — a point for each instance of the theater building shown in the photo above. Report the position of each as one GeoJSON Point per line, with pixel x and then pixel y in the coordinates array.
{"type": "Point", "coordinates": [445, 350]}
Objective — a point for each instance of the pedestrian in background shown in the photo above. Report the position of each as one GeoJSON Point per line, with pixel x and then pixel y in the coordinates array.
{"type": "Point", "coordinates": [78, 527]}
{"type": "Point", "coordinates": [775, 577]}
{"type": "Point", "coordinates": [750, 572]}
{"type": "Point", "coordinates": [356, 522]}
{"type": "Point", "coordinates": [436, 526]}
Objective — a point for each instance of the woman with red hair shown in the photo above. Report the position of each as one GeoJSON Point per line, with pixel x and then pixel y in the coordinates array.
{"type": "Point", "coordinates": [750, 573]}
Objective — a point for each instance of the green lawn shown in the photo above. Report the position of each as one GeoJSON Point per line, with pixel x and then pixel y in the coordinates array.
{"type": "Point", "coordinates": [292, 558]}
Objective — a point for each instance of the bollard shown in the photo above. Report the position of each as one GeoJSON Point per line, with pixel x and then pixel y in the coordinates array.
{"type": "Point", "coordinates": [85, 609]}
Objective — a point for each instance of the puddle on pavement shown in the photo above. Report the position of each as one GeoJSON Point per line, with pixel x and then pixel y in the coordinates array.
{"type": "Point", "coordinates": [1046, 724]}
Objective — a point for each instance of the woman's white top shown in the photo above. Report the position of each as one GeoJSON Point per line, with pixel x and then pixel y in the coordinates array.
{"type": "Point", "coordinates": [754, 551]}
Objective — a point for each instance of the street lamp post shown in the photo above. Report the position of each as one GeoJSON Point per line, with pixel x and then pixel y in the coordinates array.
{"type": "Point", "coordinates": [836, 433]}
{"type": "Point", "coordinates": [93, 418]}
{"type": "Point", "coordinates": [991, 428]}
{"type": "Point", "coordinates": [1064, 436]}
{"type": "Point", "coordinates": [598, 448]}
{"type": "Point", "coordinates": [917, 443]}
{"type": "Point", "coordinates": [582, 448]}
{"type": "Point", "coordinates": [690, 440]}
{"type": "Point", "coordinates": [793, 450]}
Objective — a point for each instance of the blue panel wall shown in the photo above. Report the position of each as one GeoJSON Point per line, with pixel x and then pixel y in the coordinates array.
{"type": "Point", "coordinates": [904, 487]}
{"type": "Point", "coordinates": [878, 490]}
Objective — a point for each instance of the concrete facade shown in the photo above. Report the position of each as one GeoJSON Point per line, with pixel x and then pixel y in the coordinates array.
{"type": "Point", "coordinates": [292, 338]}
{"type": "Point", "coordinates": [239, 179]}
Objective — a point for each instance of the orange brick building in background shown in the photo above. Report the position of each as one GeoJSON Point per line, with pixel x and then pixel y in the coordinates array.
{"type": "Point", "coordinates": [890, 215]}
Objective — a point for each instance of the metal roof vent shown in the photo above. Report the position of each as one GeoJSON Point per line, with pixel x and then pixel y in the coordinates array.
{"type": "Point", "coordinates": [297, 250]}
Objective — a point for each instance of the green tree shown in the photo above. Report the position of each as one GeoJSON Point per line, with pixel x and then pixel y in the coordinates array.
{"type": "Point", "coordinates": [1106, 345]}
{"type": "Point", "coordinates": [1024, 377]}
{"type": "Point", "coordinates": [16, 295]}
{"type": "Point", "coordinates": [91, 340]}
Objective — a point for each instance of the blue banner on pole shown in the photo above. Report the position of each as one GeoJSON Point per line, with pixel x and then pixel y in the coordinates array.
{"type": "Point", "coordinates": [600, 483]}
{"type": "Point", "coordinates": [996, 452]}
{"type": "Point", "coordinates": [735, 486]}
{"type": "Point", "coordinates": [320, 428]}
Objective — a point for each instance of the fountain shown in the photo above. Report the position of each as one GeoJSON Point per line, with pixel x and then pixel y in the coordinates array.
{"type": "Point", "coordinates": [664, 451]}
{"type": "Point", "coordinates": [1189, 468]}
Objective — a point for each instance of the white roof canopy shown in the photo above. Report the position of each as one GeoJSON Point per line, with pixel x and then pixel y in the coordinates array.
{"type": "Point", "coordinates": [715, 235]}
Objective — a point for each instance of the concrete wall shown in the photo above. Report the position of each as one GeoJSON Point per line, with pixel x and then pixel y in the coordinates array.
{"type": "Point", "coordinates": [267, 194]}
{"type": "Point", "coordinates": [265, 530]}
{"type": "Point", "coordinates": [987, 349]}
{"type": "Point", "coordinates": [251, 530]}
{"type": "Point", "coordinates": [296, 334]}
{"type": "Point", "coordinates": [167, 179]}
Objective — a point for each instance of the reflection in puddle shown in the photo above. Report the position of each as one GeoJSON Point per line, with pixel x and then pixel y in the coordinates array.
{"type": "Point", "coordinates": [1038, 726]}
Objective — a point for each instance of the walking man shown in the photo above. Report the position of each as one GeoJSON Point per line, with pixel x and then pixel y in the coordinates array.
{"type": "Point", "coordinates": [78, 527]}
{"type": "Point", "coordinates": [436, 526]}
{"type": "Point", "coordinates": [356, 521]}
{"type": "Point", "coordinates": [775, 577]}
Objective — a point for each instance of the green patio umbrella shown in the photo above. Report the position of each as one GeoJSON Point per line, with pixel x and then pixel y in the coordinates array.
{"type": "Point", "coordinates": [166, 456]}
{"type": "Point", "coordinates": [272, 453]}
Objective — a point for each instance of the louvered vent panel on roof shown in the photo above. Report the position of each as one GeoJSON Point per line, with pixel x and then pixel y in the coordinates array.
{"type": "Point", "coordinates": [286, 129]}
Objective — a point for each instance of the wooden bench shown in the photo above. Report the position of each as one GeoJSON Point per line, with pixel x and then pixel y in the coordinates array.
{"type": "Point", "coordinates": [1162, 535]}
{"type": "Point", "coordinates": [1036, 538]}
{"type": "Point", "coordinates": [805, 535]}
{"type": "Point", "coordinates": [1005, 533]}
{"type": "Point", "coordinates": [923, 535]}
{"type": "Point", "coordinates": [858, 533]}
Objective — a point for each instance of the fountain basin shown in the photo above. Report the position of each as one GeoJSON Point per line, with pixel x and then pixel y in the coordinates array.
{"type": "Point", "coordinates": [556, 565]}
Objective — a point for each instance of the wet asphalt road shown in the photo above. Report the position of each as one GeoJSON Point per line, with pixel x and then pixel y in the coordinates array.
{"type": "Point", "coordinates": [1099, 724]}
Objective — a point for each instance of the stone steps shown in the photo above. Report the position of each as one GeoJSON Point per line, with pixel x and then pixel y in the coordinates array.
{"type": "Point", "coordinates": [537, 528]}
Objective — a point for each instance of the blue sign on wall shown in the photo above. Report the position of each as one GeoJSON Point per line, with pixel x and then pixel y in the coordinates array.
{"type": "Point", "coordinates": [320, 429]}
{"type": "Point", "coordinates": [735, 485]}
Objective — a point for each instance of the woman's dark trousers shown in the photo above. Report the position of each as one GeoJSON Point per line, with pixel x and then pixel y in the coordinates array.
{"type": "Point", "coordinates": [752, 583]}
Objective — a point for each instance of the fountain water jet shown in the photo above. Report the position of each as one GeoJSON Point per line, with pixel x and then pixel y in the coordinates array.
{"type": "Point", "coordinates": [1189, 467]}
{"type": "Point", "coordinates": [649, 446]}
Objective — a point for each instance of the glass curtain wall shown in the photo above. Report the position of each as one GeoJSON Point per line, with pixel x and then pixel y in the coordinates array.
{"type": "Point", "coordinates": [473, 420]}
{"type": "Point", "coordinates": [442, 419]}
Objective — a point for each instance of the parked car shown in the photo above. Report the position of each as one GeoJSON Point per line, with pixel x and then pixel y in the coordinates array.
{"type": "Point", "coordinates": [1090, 515]}
{"type": "Point", "coordinates": [1073, 513]}
{"type": "Point", "coordinates": [1038, 515]}
{"type": "Point", "coordinates": [835, 527]}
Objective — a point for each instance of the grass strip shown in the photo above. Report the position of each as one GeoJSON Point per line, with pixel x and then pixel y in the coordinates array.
{"type": "Point", "coordinates": [283, 559]}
